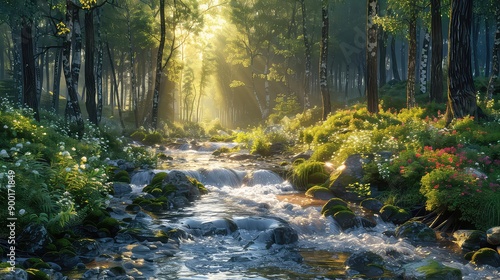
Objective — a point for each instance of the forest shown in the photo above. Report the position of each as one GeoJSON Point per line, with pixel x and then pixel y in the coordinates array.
{"type": "Point", "coordinates": [269, 139]}
{"type": "Point", "coordinates": [205, 60]}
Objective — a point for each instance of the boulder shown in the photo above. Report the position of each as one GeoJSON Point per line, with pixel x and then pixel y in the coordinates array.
{"type": "Point", "coordinates": [416, 232]}
{"type": "Point", "coordinates": [319, 192]}
{"type": "Point", "coordinates": [486, 256]}
{"type": "Point", "coordinates": [121, 189]}
{"type": "Point", "coordinates": [366, 263]}
{"type": "Point", "coordinates": [470, 240]}
{"type": "Point", "coordinates": [431, 270]}
{"type": "Point", "coordinates": [184, 187]}
{"type": "Point", "coordinates": [372, 204]}
{"type": "Point", "coordinates": [87, 249]}
{"type": "Point", "coordinates": [16, 274]}
{"type": "Point", "coordinates": [350, 172]}
{"type": "Point", "coordinates": [493, 236]}
{"type": "Point", "coordinates": [394, 214]}
{"type": "Point", "coordinates": [33, 238]}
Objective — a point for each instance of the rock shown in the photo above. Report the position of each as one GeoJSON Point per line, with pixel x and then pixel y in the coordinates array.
{"type": "Point", "coordinates": [87, 249]}
{"type": "Point", "coordinates": [304, 155]}
{"type": "Point", "coordinates": [33, 238]}
{"type": "Point", "coordinates": [486, 256]}
{"type": "Point", "coordinates": [319, 192]}
{"type": "Point", "coordinates": [372, 204]}
{"type": "Point", "coordinates": [365, 263]}
{"type": "Point", "coordinates": [394, 214]}
{"type": "Point", "coordinates": [416, 231]}
{"type": "Point", "coordinates": [121, 189]}
{"type": "Point", "coordinates": [281, 235]}
{"type": "Point", "coordinates": [430, 269]}
{"type": "Point", "coordinates": [470, 240]}
{"type": "Point", "coordinates": [241, 157]}
{"type": "Point", "coordinates": [219, 227]}
{"type": "Point", "coordinates": [346, 219]}
{"type": "Point", "coordinates": [493, 236]}
{"type": "Point", "coordinates": [17, 274]}
{"type": "Point", "coordinates": [350, 172]}
{"type": "Point", "coordinates": [184, 187]}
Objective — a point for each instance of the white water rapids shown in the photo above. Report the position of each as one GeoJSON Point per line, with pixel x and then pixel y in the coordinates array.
{"type": "Point", "coordinates": [319, 253]}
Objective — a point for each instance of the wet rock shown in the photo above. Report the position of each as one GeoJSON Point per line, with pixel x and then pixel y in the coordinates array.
{"type": "Point", "coordinates": [493, 236]}
{"type": "Point", "coordinates": [184, 187]}
{"type": "Point", "coordinates": [416, 231]}
{"type": "Point", "coordinates": [121, 189]}
{"type": "Point", "coordinates": [394, 214]}
{"type": "Point", "coordinates": [305, 155]}
{"type": "Point", "coordinates": [470, 240]}
{"type": "Point", "coordinates": [486, 256]}
{"type": "Point", "coordinates": [241, 157]}
{"type": "Point", "coordinates": [17, 274]}
{"type": "Point", "coordinates": [87, 249]}
{"type": "Point", "coordinates": [350, 172]}
{"type": "Point", "coordinates": [372, 204]}
{"type": "Point", "coordinates": [319, 192]}
{"type": "Point", "coordinates": [346, 219]}
{"type": "Point", "coordinates": [365, 263]}
{"type": "Point", "coordinates": [219, 227]}
{"type": "Point", "coordinates": [430, 269]}
{"type": "Point", "coordinates": [33, 238]}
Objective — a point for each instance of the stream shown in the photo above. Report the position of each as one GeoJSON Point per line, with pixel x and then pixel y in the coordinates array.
{"type": "Point", "coordinates": [229, 226]}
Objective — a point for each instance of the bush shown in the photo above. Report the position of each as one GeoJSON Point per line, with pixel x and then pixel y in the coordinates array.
{"type": "Point", "coordinates": [138, 135]}
{"type": "Point", "coordinates": [308, 173]}
{"type": "Point", "coordinates": [153, 138]}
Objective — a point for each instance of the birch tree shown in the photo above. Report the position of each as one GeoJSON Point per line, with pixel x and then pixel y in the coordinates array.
{"type": "Point", "coordinates": [323, 61]}
{"type": "Point", "coordinates": [496, 53]}
{"type": "Point", "coordinates": [436, 92]}
{"type": "Point", "coordinates": [371, 57]}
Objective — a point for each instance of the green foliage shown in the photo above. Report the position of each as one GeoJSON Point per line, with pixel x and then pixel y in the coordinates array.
{"type": "Point", "coordinates": [325, 152]}
{"type": "Point", "coordinates": [286, 106]}
{"type": "Point", "coordinates": [138, 135]}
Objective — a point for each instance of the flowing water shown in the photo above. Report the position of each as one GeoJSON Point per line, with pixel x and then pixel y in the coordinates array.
{"type": "Point", "coordinates": [244, 201]}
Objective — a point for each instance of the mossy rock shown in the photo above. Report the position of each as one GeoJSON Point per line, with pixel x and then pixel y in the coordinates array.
{"type": "Point", "coordinates": [470, 240]}
{"type": "Point", "coordinates": [318, 178]}
{"type": "Point", "coordinates": [394, 214]}
{"type": "Point", "coordinates": [368, 264]}
{"type": "Point", "coordinates": [50, 247]}
{"type": "Point", "coordinates": [63, 243]}
{"type": "Point", "coordinates": [35, 263]}
{"type": "Point", "coordinates": [67, 253]}
{"type": "Point", "coordinates": [156, 192]}
{"type": "Point", "coordinates": [133, 207]}
{"type": "Point", "coordinates": [118, 271]}
{"type": "Point", "coordinates": [35, 274]}
{"type": "Point", "coordinates": [416, 231]}
{"type": "Point", "coordinates": [156, 207]}
{"type": "Point", "coordinates": [372, 204]}
{"type": "Point", "coordinates": [319, 192]}
{"type": "Point", "coordinates": [468, 255]}
{"type": "Point", "coordinates": [486, 256]}
{"type": "Point", "coordinates": [346, 219]}
{"type": "Point", "coordinates": [111, 224]}
{"type": "Point", "coordinates": [138, 135]}
{"type": "Point", "coordinates": [333, 202]}
{"type": "Point", "coordinates": [334, 210]}
{"type": "Point", "coordinates": [158, 178]}
{"type": "Point", "coordinates": [122, 176]}
{"type": "Point", "coordinates": [199, 185]}
{"type": "Point", "coordinates": [298, 161]}
{"type": "Point", "coordinates": [153, 138]}
{"type": "Point", "coordinates": [432, 270]}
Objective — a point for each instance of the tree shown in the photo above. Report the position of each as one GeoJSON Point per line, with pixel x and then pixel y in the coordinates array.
{"type": "Point", "coordinates": [496, 53]}
{"type": "Point", "coordinates": [30, 97]}
{"type": "Point", "coordinates": [90, 82]}
{"type": "Point", "coordinates": [461, 91]}
{"type": "Point", "coordinates": [159, 66]}
{"type": "Point", "coordinates": [308, 54]}
{"type": "Point", "coordinates": [371, 58]}
{"type": "Point", "coordinates": [323, 62]}
{"type": "Point", "coordinates": [436, 93]}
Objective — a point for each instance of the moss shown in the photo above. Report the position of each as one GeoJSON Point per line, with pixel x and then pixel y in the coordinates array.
{"type": "Point", "coordinates": [66, 253]}
{"type": "Point", "coordinates": [156, 192]}
{"type": "Point", "coordinates": [153, 138]}
{"type": "Point", "coordinates": [156, 206]}
{"type": "Point", "coordinates": [345, 218]}
{"type": "Point", "coordinates": [324, 152]}
{"type": "Point", "coordinates": [122, 176]}
{"type": "Point", "coordinates": [468, 255]}
{"type": "Point", "coordinates": [486, 256]}
{"type": "Point", "coordinates": [63, 243]}
{"type": "Point", "coordinates": [318, 178]}
{"type": "Point", "coordinates": [436, 271]}
{"type": "Point", "coordinates": [35, 263]}
{"type": "Point", "coordinates": [199, 185]}
{"type": "Point", "coordinates": [50, 247]}
{"type": "Point", "coordinates": [158, 179]}
{"type": "Point", "coordinates": [302, 174]}
{"type": "Point", "coordinates": [35, 274]}
{"type": "Point", "coordinates": [310, 192]}
{"type": "Point", "coordinates": [333, 202]}
{"type": "Point", "coordinates": [391, 213]}
{"type": "Point", "coordinates": [334, 210]}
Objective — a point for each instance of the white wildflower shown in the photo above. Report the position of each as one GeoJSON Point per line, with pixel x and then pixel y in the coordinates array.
{"type": "Point", "coordinates": [4, 154]}
{"type": "Point", "coordinates": [19, 145]}
{"type": "Point", "coordinates": [84, 159]}
{"type": "Point", "coordinates": [5, 126]}
{"type": "Point", "coordinates": [22, 211]}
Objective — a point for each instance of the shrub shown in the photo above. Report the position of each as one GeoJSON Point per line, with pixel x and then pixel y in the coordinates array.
{"type": "Point", "coordinates": [138, 135]}
{"type": "Point", "coordinates": [303, 174]}
{"type": "Point", "coordinates": [153, 138]}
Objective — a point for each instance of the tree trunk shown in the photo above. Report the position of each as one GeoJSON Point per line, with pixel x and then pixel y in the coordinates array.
{"type": "Point", "coordinates": [133, 90]}
{"type": "Point", "coordinates": [28, 67]}
{"type": "Point", "coordinates": [90, 97]}
{"type": "Point", "coordinates": [394, 60]}
{"type": "Point", "coordinates": [98, 68]}
{"type": "Point", "coordinates": [371, 58]}
{"type": "Point", "coordinates": [382, 46]}
{"type": "Point", "coordinates": [436, 93]}
{"type": "Point", "coordinates": [346, 88]}
{"type": "Point", "coordinates": [57, 81]}
{"type": "Point", "coordinates": [475, 39]}
{"type": "Point", "coordinates": [461, 91]}
{"type": "Point", "coordinates": [412, 58]}
{"type": "Point", "coordinates": [17, 65]}
{"type": "Point", "coordinates": [323, 64]}
{"type": "Point", "coordinates": [159, 67]}
{"type": "Point", "coordinates": [115, 87]}
{"type": "Point", "coordinates": [424, 62]}
{"type": "Point", "coordinates": [308, 70]}
{"type": "Point", "coordinates": [73, 113]}
{"type": "Point", "coordinates": [496, 53]}
{"type": "Point", "coordinates": [487, 47]}
{"type": "Point", "coordinates": [403, 59]}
